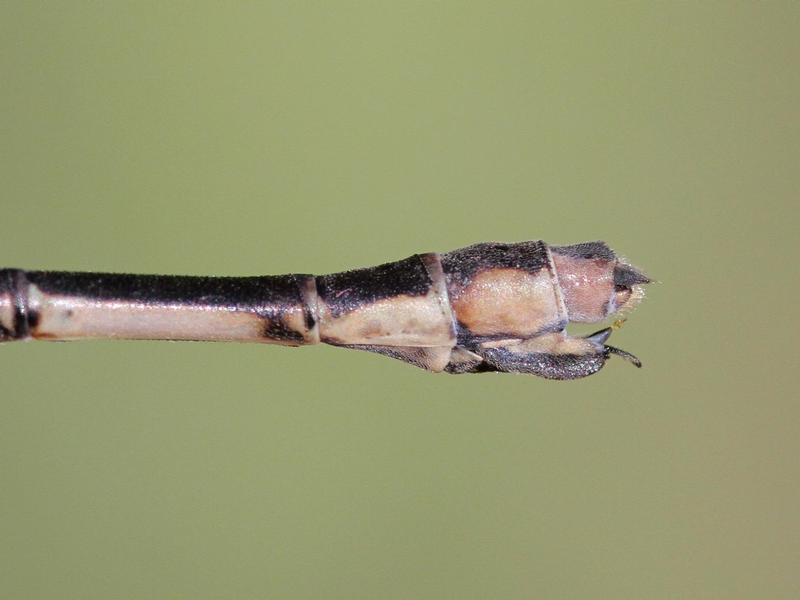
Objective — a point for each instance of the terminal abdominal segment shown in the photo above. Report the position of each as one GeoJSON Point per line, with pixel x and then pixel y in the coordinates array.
{"type": "Point", "coordinates": [487, 307]}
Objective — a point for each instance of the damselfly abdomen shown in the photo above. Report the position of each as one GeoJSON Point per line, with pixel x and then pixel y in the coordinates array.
{"type": "Point", "coordinates": [487, 307]}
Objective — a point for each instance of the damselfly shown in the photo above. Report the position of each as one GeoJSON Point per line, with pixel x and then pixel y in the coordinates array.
{"type": "Point", "coordinates": [487, 307]}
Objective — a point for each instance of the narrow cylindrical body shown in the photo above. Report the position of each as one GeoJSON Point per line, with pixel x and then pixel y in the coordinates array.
{"type": "Point", "coordinates": [70, 306]}
{"type": "Point", "coordinates": [487, 307]}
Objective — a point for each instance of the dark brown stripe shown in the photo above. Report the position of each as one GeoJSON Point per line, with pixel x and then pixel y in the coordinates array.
{"type": "Point", "coordinates": [460, 266]}
{"type": "Point", "coordinates": [350, 290]}
{"type": "Point", "coordinates": [586, 250]}
{"type": "Point", "coordinates": [467, 339]}
{"type": "Point", "coordinates": [278, 330]}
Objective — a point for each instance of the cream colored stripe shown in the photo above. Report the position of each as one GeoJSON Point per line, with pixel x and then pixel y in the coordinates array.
{"type": "Point", "coordinates": [562, 306]}
{"type": "Point", "coordinates": [7, 311]}
{"type": "Point", "coordinates": [433, 265]}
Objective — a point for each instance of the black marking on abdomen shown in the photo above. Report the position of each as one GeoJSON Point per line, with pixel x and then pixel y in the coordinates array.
{"type": "Point", "coordinates": [588, 250]}
{"type": "Point", "coordinates": [276, 329]}
{"type": "Point", "coordinates": [350, 290]}
{"type": "Point", "coordinates": [33, 318]}
{"type": "Point", "coordinates": [227, 292]}
{"type": "Point", "coordinates": [308, 317]}
{"type": "Point", "coordinates": [467, 339]}
{"type": "Point", "coordinates": [460, 266]}
{"type": "Point", "coordinates": [265, 295]}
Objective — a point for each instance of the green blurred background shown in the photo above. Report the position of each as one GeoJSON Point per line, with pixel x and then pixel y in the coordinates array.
{"type": "Point", "coordinates": [252, 138]}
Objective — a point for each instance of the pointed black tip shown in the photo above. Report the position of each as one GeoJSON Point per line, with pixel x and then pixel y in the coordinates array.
{"type": "Point", "coordinates": [626, 275]}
